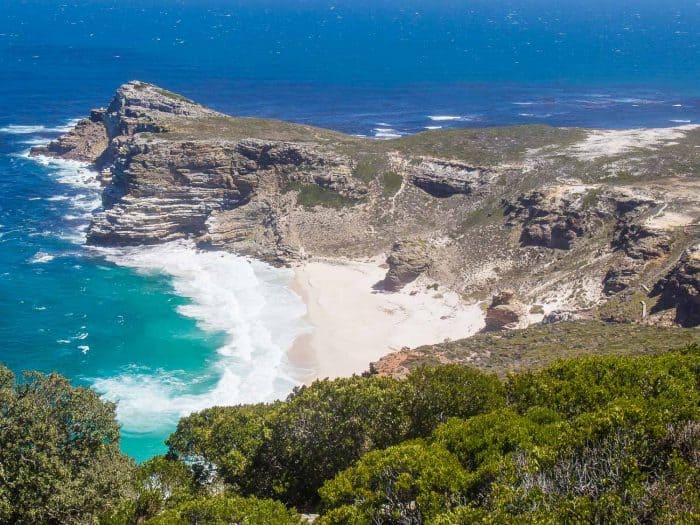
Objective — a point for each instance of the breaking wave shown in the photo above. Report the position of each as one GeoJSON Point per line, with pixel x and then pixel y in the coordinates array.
{"type": "Point", "coordinates": [246, 300]}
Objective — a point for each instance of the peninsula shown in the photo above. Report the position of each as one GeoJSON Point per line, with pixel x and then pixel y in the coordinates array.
{"type": "Point", "coordinates": [411, 241]}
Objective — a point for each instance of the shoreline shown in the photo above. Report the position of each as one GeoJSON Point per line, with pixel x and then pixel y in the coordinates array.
{"type": "Point", "coordinates": [352, 324]}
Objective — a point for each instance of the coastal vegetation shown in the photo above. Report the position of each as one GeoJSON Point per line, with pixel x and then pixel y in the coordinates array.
{"type": "Point", "coordinates": [538, 345]}
{"type": "Point", "coordinates": [607, 439]}
{"type": "Point", "coordinates": [310, 195]}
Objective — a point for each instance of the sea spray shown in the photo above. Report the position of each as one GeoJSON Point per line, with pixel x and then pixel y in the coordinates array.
{"type": "Point", "coordinates": [246, 300]}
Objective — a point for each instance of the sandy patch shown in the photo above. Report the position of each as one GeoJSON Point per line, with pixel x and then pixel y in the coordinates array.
{"type": "Point", "coordinates": [668, 220]}
{"type": "Point", "coordinates": [354, 324]}
{"type": "Point", "coordinates": [607, 143]}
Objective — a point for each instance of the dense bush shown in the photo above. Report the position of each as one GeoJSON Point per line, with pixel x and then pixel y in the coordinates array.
{"type": "Point", "coordinates": [595, 440]}
{"type": "Point", "coordinates": [229, 438]}
{"type": "Point", "coordinates": [288, 450]}
{"type": "Point", "coordinates": [436, 394]}
{"type": "Point", "coordinates": [406, 483]}
{"type": "Point", "coordinates": [227, 510]}
{"type": "Point", "coordinates": [606, 440]}
{"type": "Point", "coordinates": [59, 452]}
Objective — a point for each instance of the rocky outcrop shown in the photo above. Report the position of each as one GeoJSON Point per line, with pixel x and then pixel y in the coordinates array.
{"type": "Point", "coordinates": [557, 216]}
{"type": "Point", "coordinates": [505, 313]}
{"type": "Point", "coordinates": [545, 220]}
{"type": "Point", "coordinates": [170, 173]}
{"type": "Point", "coordinates": [680, 289]}
{"type": "Point", "coordinates": [641, 242]}
{"type": "Point", "coordinates": [392, 365]}
{"type": "Point", "coordinates": [86, 142]}
{"type": "Point", "coordinates": [280, 192]}
{"type": "Point", "coordinates": [621, 276]}
{"type": "Point", "coordinates": [408, 260]}
{"type": "Point", "coordinates": [302, 163]}
{"type": "Point", "coordinates": [444, 178]}
{"type": "Point", "coordinates": [561, 316]}
{"type": "Point", "coordinates": [166, 190]}
{"type": "Point", "coordinates": [134, 109]}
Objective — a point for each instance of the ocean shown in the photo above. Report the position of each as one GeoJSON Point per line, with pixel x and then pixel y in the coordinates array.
{"type": "Point", "coordinates": [167, 330]}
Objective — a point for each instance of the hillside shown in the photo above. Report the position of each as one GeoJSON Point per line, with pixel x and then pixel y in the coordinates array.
{"type": "Point", "coordinates": [570, 220]}
{"type": "Point", "coordinates": [538, 346]}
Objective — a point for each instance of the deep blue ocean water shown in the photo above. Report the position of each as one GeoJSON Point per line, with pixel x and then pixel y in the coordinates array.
{"type": "Point", "coordinates": [155, 329]}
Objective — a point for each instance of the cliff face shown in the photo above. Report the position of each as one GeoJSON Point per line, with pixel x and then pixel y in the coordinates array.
{"type": "Point", "coordinates": [563, 221]}
{"type": "Point", "coordinates": [680, 289]}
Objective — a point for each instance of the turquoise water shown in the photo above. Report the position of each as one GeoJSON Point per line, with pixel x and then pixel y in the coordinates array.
{"type": "Point", "coordinates": [166, 330]}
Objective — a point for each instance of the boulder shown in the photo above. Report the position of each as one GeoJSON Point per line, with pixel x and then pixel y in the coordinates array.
{"type": "Point", "coordinates": [559, 316]}
{"type": "Point", "coordinates": [621, 276]}
{"type": "Point", "coordinates": [408, 259]}
{"type": "Point", "coordinates": [505, 313]}
{"type": "Point", "coordinates": [640, 242]}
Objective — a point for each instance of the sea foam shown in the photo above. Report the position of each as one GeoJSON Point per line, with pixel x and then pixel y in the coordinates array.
{"type": "Point", "coordinates": [83, 197]}
{"type": "Point", "coordinates": [23, 129]}
{"type": "Point", "coordinates": [386, 133]}
{"type": "Point", "coordinates": [246, 300]}
{"type": "Point", "coordinates": [41, 257]}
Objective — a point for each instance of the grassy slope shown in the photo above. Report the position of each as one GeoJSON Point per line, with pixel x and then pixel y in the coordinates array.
{"type": "Point", "coordinates": [539, 345]}
{"type": "Point", "coordinates": [480, 146]}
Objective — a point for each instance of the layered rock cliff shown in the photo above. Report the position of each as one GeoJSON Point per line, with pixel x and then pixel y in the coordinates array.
{"type": "Point", "coordinates": [569, 223]}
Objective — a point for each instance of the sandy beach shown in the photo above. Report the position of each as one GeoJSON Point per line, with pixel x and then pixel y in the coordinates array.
{"type": "Point", "coordinates": [354, 324]}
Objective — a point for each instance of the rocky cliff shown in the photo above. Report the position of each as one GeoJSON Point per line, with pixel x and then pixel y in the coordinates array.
{"type": "Point", "coordinates": [570, 220]}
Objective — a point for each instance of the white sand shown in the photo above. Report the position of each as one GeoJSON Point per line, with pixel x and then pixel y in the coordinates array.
{"type": "Point", "coordinates": [353, 324]}
{"type": "Point", "coordinates": [605, 143]}
{"type": "Point", "coordinates": [667, 220]}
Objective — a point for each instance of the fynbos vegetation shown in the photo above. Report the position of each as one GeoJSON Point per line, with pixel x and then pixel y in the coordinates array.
{"type": "Point", "coordinates": [588, 440]}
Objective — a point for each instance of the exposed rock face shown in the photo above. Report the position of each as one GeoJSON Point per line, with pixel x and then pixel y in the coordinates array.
{"type": "Point", "coordinates": [166, 190]}
{"type": "Point", "coordinates": [444, 178]}
{"type": "Point", "coordinates": [680, 289]}
{"type": "Point", "coordinates": [640, 242]}
{"type": "Point", "coordinates": [163, 182]}
{"type": "Point", "coordinates": [546, 221]}
{"type": "Point", "coordinates": [505, 313]}
{"type": "Point", "coordinates": [407, 261]}
{"type": "Point", "coordinates": [621, 276]}
{"type": "Point", "coordinates": [86, 142]}
{"type": "Point", "coordinates": [298, 163]}
{"type": "Point", "coordinates": [557, 216]}
{"type": "Point", "coordinates": [392, 364]}
{"type": "Point", "coordinates": [281, 192]}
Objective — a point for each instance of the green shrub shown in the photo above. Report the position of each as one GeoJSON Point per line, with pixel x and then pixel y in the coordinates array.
{"type": "Point", "coordinates": [579, 385]}
{"type": "Point", "coordinates": [407, 483]}
{"type": "Point", "coordinates": [59, 452]}
{"type": "Point", "coordinates": [311, 195]}
{"type": "Point", "coordinates": [448, 391]}
{"type": "Point", "coordinates": [322, 429]}
{"type": "Point", "coordinates": [289, 449]}
{"type": "Point", "coordinates": [392, 182]}
{"type": "Point", "coordinates": [229, 438]}
{"type": "Point", "coordinates": [366, 169]}
{"type": "Point", "coordinates": [605, 440]}
{"type": "Point", "coordinates": [227, 510]}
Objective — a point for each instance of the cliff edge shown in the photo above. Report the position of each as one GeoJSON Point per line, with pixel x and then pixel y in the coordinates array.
{"type": "Point", "coordinates": [575, 222]}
